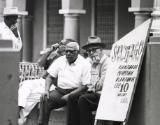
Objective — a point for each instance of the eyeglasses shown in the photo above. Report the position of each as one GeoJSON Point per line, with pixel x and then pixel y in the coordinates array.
{"type": "Point", "coordinates": [93, 50]}
{"type": "Point", "coordinates": [70, 51]}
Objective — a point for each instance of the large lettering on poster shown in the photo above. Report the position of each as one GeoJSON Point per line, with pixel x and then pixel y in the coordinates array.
{"type": "Point", "coordinates": [122, 74]}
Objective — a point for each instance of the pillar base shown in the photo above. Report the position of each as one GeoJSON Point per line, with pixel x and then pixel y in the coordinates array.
{"type": "Point", "coordinates": [141, 14]}
{"type": "Point", "coordinates": [155, 27]}
{"type": "Point", "coordinates": [71, 11]}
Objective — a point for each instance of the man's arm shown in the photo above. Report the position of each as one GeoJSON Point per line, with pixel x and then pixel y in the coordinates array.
{"type": "Point", "coordinates": [43, 59]}
{"type": "Point", "coordinates": [79, 90]}
{"type": "Point", "coordinates": [100, 82]}
{"type": "Point", "coordinates": [75, 92]}
{"type": "Point", "coordinates": [49, 81]}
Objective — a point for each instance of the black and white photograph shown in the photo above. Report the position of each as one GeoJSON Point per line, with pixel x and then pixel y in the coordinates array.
{"type": "Point", "coordinates": [79, 62]}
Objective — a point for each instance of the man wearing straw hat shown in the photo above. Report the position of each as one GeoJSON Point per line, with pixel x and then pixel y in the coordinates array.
{"type": "Point", "coordinates": [8, 28]}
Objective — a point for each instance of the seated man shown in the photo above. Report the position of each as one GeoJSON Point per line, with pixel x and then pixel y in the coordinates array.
{"type": "Point", "coordinates": [72, 73]}
{"type": "Point", "coordinates": [80, 111]}
{"type": "Point", "coordinates": [8, 27]}
{"type": "Point", "coordinates": [50, 54]}
{"type": "Point", "coordinates": [30, 90]}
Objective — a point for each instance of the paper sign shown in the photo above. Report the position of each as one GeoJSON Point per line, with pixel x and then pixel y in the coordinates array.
{"type": "Point", "coordinates": [122, 74]}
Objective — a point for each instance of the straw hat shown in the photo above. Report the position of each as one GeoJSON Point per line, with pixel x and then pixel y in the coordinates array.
{"type": "Point", "coordinates": [94, 41]}
{"type": "Point", "coordinates": [8, 11]}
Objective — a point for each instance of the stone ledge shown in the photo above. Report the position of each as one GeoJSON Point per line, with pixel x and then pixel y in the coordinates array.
{"type": "Point", "coordinates": [71, 11]}
{"type": "Point", "coordinates": [138, 9]}
{"type": "Point", "coordinates": [57, 117]}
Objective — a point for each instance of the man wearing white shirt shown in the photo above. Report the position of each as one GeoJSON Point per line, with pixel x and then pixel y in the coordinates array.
{"type": "Point", "coordinates": [30, 91]}
{"type": "Point", "coordinates": [72, 73]}
{"type": "Point", "coordinates": [80, 109]}
{"type": "Point", "coordinates": [8, 28]}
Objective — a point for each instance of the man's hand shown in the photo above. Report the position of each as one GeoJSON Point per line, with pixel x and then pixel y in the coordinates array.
{"type": "Point", "coordinates": [45, 51]}
{"type": "Point", "coordinates": [65, 97]}
{"type": "Point", "coordinates": [46, 93]}
{"type": "Point", "coordinates": [91, 88]}
{"type": "Point", "coordinates": [14, 30]}
{"type": "Point", "coordinates": [98, 87]}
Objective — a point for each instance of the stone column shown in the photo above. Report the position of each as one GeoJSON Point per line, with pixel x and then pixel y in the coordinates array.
{"type": "Point", "coordinates": [27, 39]}
{"type": "Point", "coordinates": [71, 26]}
{"type": "Point", "coordinates": [141, 14]}
{"type": "Point", "coordinates": [155, 28]}
{"type": "Point", "coordinates": [141, 17]}
{"type": "Point", "coordinates": [142, 10]}
{"type": "Point", "coordinates": [72, 10]}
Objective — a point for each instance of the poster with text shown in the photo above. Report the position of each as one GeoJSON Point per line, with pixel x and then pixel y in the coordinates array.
{"type": "Point", "coordinates": [122, 74]}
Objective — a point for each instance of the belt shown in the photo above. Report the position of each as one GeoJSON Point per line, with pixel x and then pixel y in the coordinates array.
{"type": "Point", "coordinates": [64, 91]}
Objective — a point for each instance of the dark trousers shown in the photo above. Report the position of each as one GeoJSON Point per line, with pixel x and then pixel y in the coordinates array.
{"type": "Point", "coordinates": [88, 103]}
{"type": "Point", "coordinates": [53, 102]}
{"type": "Point", "coordinates": [80, 109]}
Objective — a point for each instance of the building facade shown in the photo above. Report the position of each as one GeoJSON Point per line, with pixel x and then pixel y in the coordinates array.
{"type": "Point", "coordinates": [50, 21]}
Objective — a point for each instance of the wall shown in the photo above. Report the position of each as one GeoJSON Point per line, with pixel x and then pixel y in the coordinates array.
{"type": "Point", "coordinates": [146, 104]}
{"type": "Point", "coordinates": [9, 87]}
{"type": "Point", "coordinates": [85, 23]}
{"type": "Point", "coordinates": [37, 28]}
{"type": "Point", "coordinates": [125, 18]}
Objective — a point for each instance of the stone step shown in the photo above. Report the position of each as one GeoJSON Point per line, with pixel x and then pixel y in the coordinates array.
{"type": "Point", "coordinates": [57, 117]}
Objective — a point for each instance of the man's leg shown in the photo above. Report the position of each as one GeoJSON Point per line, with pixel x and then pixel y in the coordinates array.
{"type": "Point", "coordinates": [73, 110]}
{"type": "Point", "coordinates": [88, 103]}
{"type": "Point", "coordinates": [29, 94]}
{"type": "Point", "coordinates": [53, 102]}
{"type": "Point", "coordinates": [23, 93]}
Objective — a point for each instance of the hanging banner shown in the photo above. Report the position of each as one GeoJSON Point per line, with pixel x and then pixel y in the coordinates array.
{"type": "Point", "coordinates": [122, 74]}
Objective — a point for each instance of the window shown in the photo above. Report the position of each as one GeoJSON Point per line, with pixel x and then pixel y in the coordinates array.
{"type": "Point", "coordinates": [105, 10]}
{"type": "Point", "coordinates": [54, 22]}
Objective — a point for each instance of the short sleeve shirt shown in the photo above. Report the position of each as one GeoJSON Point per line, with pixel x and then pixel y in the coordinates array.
{"type": "Point", "coordinates": [71, 76]}
{"type": "Point", "coordinates": [99, 71]}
